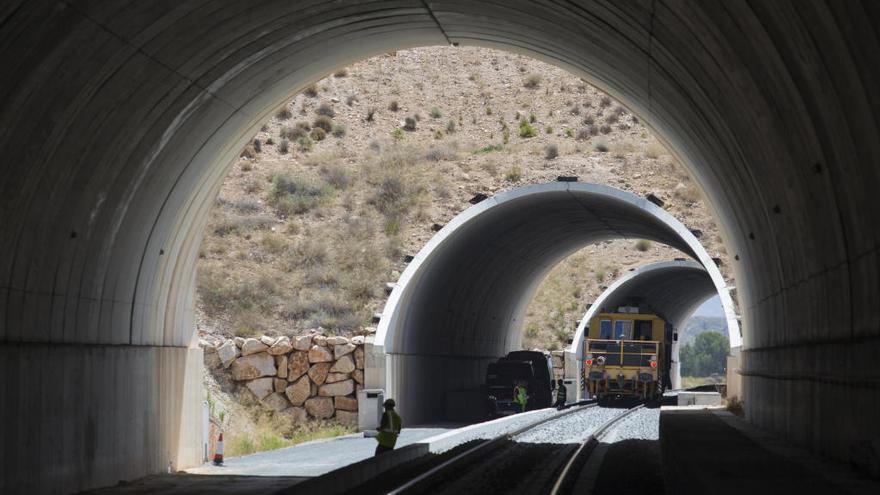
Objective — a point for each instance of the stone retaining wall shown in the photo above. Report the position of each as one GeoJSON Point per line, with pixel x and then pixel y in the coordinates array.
{"type": "Point", "coordinates": [308, 376]}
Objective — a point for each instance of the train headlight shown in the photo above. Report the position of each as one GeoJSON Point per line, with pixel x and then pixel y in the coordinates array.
{"type": "Point", "coordinates": [589, 360]}
{"type": "Point", "coordinates": [654, 361]}
{"type": "Point", "coordinates": [600, 360]}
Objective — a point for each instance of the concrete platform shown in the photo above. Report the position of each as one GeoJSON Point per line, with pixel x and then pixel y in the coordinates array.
{"type": "Point", "coordinates": [713, 451]}
{"type": "Point", "coordinates": [312, 458]}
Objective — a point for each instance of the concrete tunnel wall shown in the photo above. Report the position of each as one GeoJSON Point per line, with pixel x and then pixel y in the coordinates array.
{"type": "Point", "coordinates": [121, 119]}
{"type": "Point", "coordinates": [672, 289]}
{"type": "Point", "coordinates": [461, 302]}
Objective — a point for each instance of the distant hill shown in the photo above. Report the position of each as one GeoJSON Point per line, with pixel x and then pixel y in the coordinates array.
{"type": "Point", "coordinates": [699, 324]}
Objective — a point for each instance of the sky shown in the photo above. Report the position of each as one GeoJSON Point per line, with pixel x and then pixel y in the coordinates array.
{"type": "Point", "coordinates": [711, 307]}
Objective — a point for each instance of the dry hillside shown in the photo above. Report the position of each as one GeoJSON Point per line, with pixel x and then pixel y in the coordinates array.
{"type": "Point", "coordinates": [351, 175]}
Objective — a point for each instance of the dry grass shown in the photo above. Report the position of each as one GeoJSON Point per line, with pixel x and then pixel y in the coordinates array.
{"type": "Point", "coordinates": [271, 432]}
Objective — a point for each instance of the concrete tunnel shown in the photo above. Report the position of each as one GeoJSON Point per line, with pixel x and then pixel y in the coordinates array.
{"type": "Point", "coordinates": [120, 120]}
{"type": "Point", "coordinates": [461, 302]}
{"type": "Point", "coordinates": [671, 289]}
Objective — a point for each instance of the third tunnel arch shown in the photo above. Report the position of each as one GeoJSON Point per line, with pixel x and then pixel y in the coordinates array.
{"type": "Point", "coordinates": [121, 120]}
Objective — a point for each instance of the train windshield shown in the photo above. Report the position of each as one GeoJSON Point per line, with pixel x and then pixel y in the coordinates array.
{"type": "Point", "coordinates": [623, 329]}
{"type": "Point", "coordinates": [605, 329]}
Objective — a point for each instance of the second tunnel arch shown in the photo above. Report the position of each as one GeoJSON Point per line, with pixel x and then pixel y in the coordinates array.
{"type": "Point", "coordinates": [461, 301]}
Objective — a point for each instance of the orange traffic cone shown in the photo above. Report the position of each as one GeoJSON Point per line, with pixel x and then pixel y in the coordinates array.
{"type": "Point", "coordinates": [218, 455]}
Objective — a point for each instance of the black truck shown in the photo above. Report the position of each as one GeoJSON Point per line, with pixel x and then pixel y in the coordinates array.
{"type": "Point", "coordinates": [530, 367]}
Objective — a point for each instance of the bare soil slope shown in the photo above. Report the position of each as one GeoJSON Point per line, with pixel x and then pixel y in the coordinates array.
{"type": "Point", "coordinates": [356, 172]}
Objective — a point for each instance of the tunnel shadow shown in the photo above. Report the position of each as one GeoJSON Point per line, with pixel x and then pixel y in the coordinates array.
{"type": "Point", "coordinates": [186, 483]}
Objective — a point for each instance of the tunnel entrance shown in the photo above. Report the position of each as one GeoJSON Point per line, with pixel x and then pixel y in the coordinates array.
{"type": "Point", "coordinates": [121, 120]}
{"type": "Point", "coordinates": [461, 302]}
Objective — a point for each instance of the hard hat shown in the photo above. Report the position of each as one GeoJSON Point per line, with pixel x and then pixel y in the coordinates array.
{"type": "Point", "coordinates": [389, 403]}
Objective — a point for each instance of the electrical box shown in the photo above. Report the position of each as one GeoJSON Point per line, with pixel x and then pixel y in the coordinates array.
{"type": "Point", "coordinates": [370, 408]}
{"type": "Point", "coordinates": [570, 385]}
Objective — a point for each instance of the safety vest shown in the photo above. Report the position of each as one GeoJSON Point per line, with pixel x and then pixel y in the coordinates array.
{"type": "Point", "coordinates": [521, 396]}
{"type": "Point", "coordinates": [387, 436]}
{"type": "Point", "coordinates": [561, 393]}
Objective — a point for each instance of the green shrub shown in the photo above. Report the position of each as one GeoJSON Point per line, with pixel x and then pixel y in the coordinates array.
{"type": "Point", "coordinates": [435, 113]}
{"type": "Point", "coordinates": [397, 133]}
{"type": "Point", "coordinates": [325, 109]}
{"type": "Point", "coordinates": [605, 102]}
{"type": "Point", "coordinates": [526, 130]}
{"type": "Point", "coordinates": [551, 151]}
{"type": "Point", "coordinates": [601, 147]}
{"type": "Point", "coordinates": [532, 81]}
{"type": "Point", "coordinates": [318, 134]}
{"type": "Point", "coordinates": [549, 129]}
{"type": "Point", "coordinates": [393, 106]}
{"type": "Point", "coordinates": [343, 72]}
{"type": "Point", "coordinates": [643, 245]}
{"type": "Point", "coordinates": [293, 132]}
{"type": "Point", "coordinates": [311, 91]}
{"type": "Point", "coordinates": [323, 122]}
{"type": "Point", "coordinates": [489, 148]}
{"type": "Point", "coordinates": [295, 195]}
{"type": "Point", "coordinates": [513, 174]}
{"type": "Point", "coordinates": [450, 127]}
{"type": "Point", "coordinates": [569, 132]}
{"type": "Point", "coordinates": [409, 124]}
{"type": "Point", "coordinates": [283, 113]}
{"type": "Point", "coordinates": [371, 114]}
{"type": "Point", "coordinates": [305, 144]}
{"type": "Point", "coordinates": [284, 146]}
{"type": "Point", "coordinates": [335, 175]}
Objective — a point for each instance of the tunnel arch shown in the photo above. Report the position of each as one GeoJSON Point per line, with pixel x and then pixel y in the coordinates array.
{"type": "Point", "coordinates": [122, 119]}
{"type": "Point", "coordinates": [672, 289]}
{"type": "Point", "coordinates": [461, 301]}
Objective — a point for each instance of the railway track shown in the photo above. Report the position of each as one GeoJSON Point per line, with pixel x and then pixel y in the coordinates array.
{"type": "Point", "coordinates": [503, 465]}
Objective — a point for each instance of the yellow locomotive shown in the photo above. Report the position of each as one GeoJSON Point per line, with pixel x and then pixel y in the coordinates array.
{"type": "Point", "coordinates": [627, 354]}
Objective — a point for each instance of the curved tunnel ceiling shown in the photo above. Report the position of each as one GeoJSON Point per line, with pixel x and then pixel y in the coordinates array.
{"type": "Point", "coordinates": [672, 289]}
{"type": "Point", "coordinates": [467, 290]}
{"type": "Point", "coordinates": [121, 119]}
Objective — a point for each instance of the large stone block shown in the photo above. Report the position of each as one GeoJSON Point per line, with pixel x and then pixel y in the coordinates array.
{"type": "Point", "coordinates": [297, 365]}
{"type": "Point", "coordinates": [281, 346]}
{"type": "Point", "coordinates": [253, 366]}
{"type": "Point", "coordinates": [357, 340]}
{"type": "Point", "coordinates": [340, 350]}
{"type": "Point", "coordinates": [299, 391]}
{"type": "Point", "coordinates": [359, 357]}
{"type": "Point", "coordinates": [320, 407]}
{"type": "Point", "coordinates": [318, 372]}
{"type": "Point", "coordinates": [320, 354]}
{"type": "Point", "coordinates": [339, 388]}
{"type": "Point", "coordinates": [345, 403]}
{"type": "Point", "coordinates": [358, 376]}
{"type": "Point", "coordinates": [269, 341]}
{"type": "Point", "coordinates": [227, 352]}
{"type": "Point", "coordinates": [336, 377]}
{"type": "Point", "coordinates": [345, 364]}
{"type": "Point", "coordinates": [261, 387]}
{"type": "Point", "coordinates": [276, 401]}
{"type": "Point", "coordinates": [336, 341]}
{"type": "Point", "coordinates": [302, 343]}
{"type": "Point", "coordinates": [252, 346]}
{"type": "Point", "coordinates": [279, 384]}
{"type": "Point", "coordinates": [347, 418]}
{"type": "Point", "coordinates": [281, 365]}
{"type": "Point", "coordinates": [319, 340]}
{"type": "Point", "coordinates": [239, 342]}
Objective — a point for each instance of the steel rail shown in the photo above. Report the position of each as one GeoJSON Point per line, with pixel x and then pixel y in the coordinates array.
{"type": "Point", "coordinates": [480, 447]}
{"type": "Point", "coordinates": [586, 449]}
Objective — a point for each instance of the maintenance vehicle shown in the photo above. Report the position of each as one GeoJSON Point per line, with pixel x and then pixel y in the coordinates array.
{"type": "Point", "coordinates": [627, 354]}
{"type": "Point", "coordinates": [532, 368]}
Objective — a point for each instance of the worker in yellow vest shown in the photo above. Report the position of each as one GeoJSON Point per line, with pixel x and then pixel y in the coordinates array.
{"type": "Point", "coordinates": [389, 428]}
{"type": "Point", "coordinates": [521, 395]}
